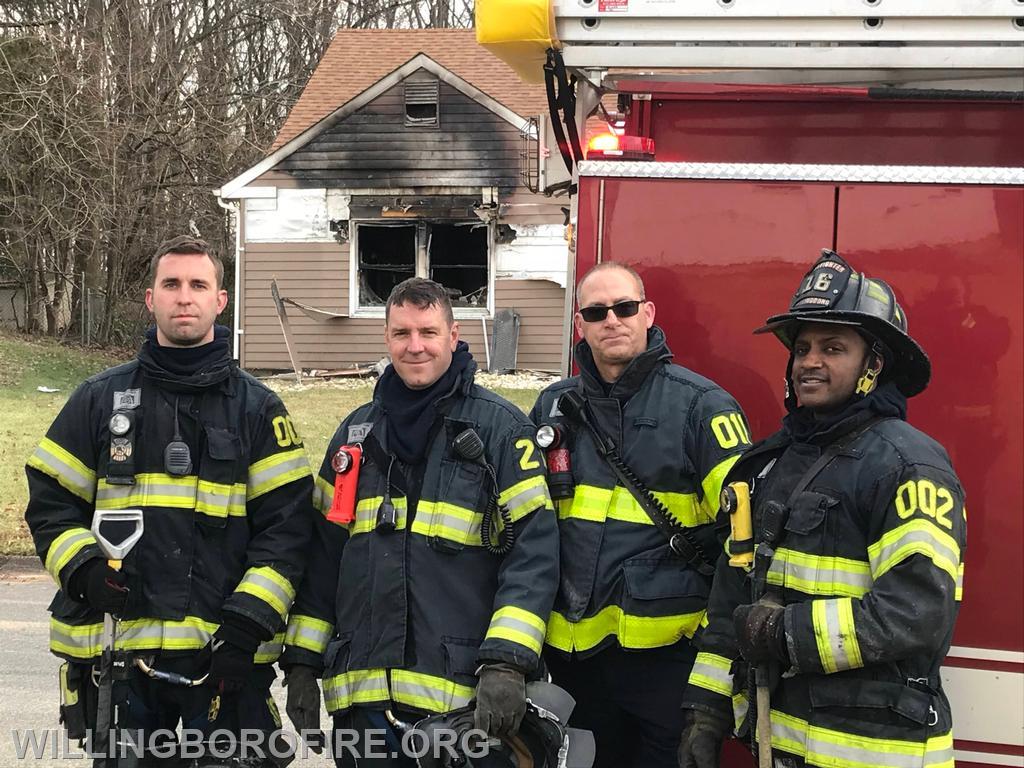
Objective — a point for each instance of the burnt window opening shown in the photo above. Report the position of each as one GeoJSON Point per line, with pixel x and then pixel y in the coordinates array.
{"type": "Point", "coordinates": [421, 103]}
{"type": "Point", "coordinates": [458, 261]}
{"type": "Point", "coordinates": [387, 256]}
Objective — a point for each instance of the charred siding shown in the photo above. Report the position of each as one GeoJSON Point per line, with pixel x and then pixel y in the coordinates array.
{"type": "Point", "coordinates": [373, 147]}
{"type": "Point", "coordinates": [317, 274]}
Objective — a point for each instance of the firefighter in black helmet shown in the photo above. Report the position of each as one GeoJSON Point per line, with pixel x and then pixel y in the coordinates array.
{"type": "Point", "coordinates": [859, 524]}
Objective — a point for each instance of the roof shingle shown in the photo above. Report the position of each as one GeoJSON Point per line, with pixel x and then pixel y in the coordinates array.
{"type": "Point", "coordinates": [358, 58]}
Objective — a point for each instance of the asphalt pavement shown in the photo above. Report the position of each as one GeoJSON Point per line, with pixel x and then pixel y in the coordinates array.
{"type": "Point", "coordinates": [29, 690]}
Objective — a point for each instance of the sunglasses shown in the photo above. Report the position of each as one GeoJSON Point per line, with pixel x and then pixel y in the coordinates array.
{"type": "Point", "coordinates": [599, 312]}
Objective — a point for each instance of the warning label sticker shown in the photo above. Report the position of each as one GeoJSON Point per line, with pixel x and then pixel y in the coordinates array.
{"type": "Point", "coordinates": [604, 6]}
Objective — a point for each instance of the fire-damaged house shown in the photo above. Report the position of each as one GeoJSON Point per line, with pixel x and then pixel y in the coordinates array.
{"type": "Point", "coordinates": [401, 158]}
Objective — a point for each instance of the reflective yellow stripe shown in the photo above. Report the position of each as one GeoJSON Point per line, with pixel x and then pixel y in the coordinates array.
{"type": "Point", "coordinates": [366, 686]}
{"type": "Point", "coordinates": [836, 634]}
{"type": "Point", "coordinates": [366, 514]}
{"type": "Point", "coordinates": [151, 489]}
{"type": "Point", "coordinates": [269, 651]}
{"type": "Point", "coordinates": [220, 499]}
{"type": "Point", "coordinates": [308, 633]}
{"type": "Point", "coordinates": [448, 521]}
{"type": "Point", "coordinates": [836, 749]}
{"type": "Point", "coordinates": [157, 489]}
{"type": "Point", "coordinates": [323, 495]}
{"type": "Point", "coordinates": [86, 641]}
{"type": "Point", "coordinates": [712, 486]}
{"type": "Point", "coordinates": [740, 707]}
{"type": "Point", "coordinates": [517, 626]}
{"type": "Point", "coordinates": [427, 692]}
{"type": "Point", "coordinates": [815, 575]}
{"type": "Point", "coordinates": [631, 631]}
{"type": "Point", "coordinates": [915, 537]}
{"type": "Point", "coordinates": [64, 548]}
{"type": "Point", "coordinates": [960, 582]}
{"type": "Point", "coordinates": [64, 467]}
{"type": "Point", "coordinates": [596, 505]}
{"type": "Point", "coordinates": [526, 496]}
{"type": "Point", "coordinates": [274, 471]}
{"type": "Point", "coordinates": [712, 673]}
{"type": "Point", "coordinates": [266, 584]}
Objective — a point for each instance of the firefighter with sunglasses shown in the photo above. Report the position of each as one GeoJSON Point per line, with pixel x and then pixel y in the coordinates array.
{"type": "Point", "coordinates": [859, 528]}
{"type": "Point", "coordinates": [637, 448]}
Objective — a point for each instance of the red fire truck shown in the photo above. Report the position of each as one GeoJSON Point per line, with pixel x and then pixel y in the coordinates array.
{"type": "Point", "coordinates": [745, 136]}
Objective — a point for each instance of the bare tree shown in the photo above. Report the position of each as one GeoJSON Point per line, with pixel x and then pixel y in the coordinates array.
{"type": "Point", "coordinates": [118, 118]}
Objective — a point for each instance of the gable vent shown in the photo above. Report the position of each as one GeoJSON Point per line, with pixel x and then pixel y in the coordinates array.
{"type": "Point", "coordinates": [421, 101]}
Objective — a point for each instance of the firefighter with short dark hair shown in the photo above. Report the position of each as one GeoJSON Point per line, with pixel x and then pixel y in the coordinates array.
{"type": "Point", "coordinates": [435, 561]}
{"type": "Point", "coordinates": [211, 458]}
{"type": "Point", "coordinates": [859, 527]}
{"type": "Point", "coordinates": [637, 449]}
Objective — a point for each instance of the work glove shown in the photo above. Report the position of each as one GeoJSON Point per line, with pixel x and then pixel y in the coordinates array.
{"type": "Point", "coordinates": [303, 704]}
{"type": "Point", "coordinates": [234, 648]}
{"type": "Point", "coordinates": [100, 586]}
{"type": "Point", "coordinates": [702, 738]}
{"type": "Point", "coordinates": [761, 633]}
{"type": "Point", "coordinates": [500, 700]}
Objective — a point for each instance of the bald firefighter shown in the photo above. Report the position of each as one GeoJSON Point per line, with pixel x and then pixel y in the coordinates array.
{"type": "Point", "coordinates": [637, 449]}
{"type": "Point", "coordinates": [859, 532]}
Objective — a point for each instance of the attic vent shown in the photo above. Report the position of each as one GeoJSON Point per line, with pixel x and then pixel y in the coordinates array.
{"type": "Point", "coordinates": [421, 99]}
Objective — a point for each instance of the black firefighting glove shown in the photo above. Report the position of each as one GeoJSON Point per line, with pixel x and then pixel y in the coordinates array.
{"type": "Point", "coordinates": [761, 633]}
{"type": "Point", "coordinates": [701, 743]}
{"type": "Point", "coordinates": [234, 649]}
{"type": "Point", "coordinates": [500, 700]}
{"type": "Point", "coordinates": [100, 586]}
{"type": "Point", "coordinates": [303, 705]}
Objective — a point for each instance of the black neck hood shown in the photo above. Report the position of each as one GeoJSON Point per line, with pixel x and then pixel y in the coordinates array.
{"type": "Point", "coordinates": [803, 426]}
{"type": "Point", "coordinates": [411, 413]}
{"type": "Point", "coordinates": [188, 369]}
{"type": "Point", "coordinates": [633, 375]}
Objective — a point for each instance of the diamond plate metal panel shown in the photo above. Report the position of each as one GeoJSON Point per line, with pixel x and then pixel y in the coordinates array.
{"type": "Point", "coordinates": [901, 174]}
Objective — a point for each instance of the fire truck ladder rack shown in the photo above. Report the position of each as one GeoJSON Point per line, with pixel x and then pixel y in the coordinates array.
{"type": "Point", "coordinates": [793, 34]}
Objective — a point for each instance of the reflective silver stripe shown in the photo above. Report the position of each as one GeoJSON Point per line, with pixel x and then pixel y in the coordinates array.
{"type": "Point", "coordinates": [414, 689]}
{"type": "Point", "coordinates": [146, 492]}
{"type": "Point", "coordinates": [360, 686]}
{"type": "Point", "coordinates": [311, 634]}
{"type": "Point", "coordinates": [59, 556]}
{"type": "Point", "coordinates": [817, 580]}
{"type": "Point", "coordinates": [216, 500]}
{"type": "Point", "coordinates": [836, 635]}
{"type": "Point", "coordinates": [62, 471]}
{"type": "Point", "coordinates": [518, 626]}
{"type": "Point", "coordinates": [323, 495]}
{"type": "Point", "coordinates": [718, 677]}
{"type": "Point", "coordinates": [258, 481]}
{"type": "Point", "coordinates": [257, 583]}
{"type": "Point", "coordinates": [526, 496]}
{"type": "Point", "coordinates": [269, 650]}
{"type": "Point", "coordinates": [849, 754]}
{"type": "Point", "coordinates": [141, 634]}
{"type": "Point", "coordinates": [740, 707]}
{"type": "Point", "coordinates": [933, 543]}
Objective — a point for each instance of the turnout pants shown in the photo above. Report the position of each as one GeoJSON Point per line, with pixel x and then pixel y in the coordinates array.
{"type": "Point", "coordinates": [630, 700]}
{"type": "Point", "coordinates": [149, 713]}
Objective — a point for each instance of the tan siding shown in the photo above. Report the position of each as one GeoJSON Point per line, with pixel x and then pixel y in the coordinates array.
{"type": "Point", "coordinates": [345, 342]}
{"type": "Point", "coordinates": [539, 304]}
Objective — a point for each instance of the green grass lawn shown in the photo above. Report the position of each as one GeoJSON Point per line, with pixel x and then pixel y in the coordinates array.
{"type": "Point", "coordinates": [26, 364]}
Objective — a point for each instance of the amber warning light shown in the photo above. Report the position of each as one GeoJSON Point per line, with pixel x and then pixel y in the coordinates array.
{"type": "Point", "coordinates": [609, 146]}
